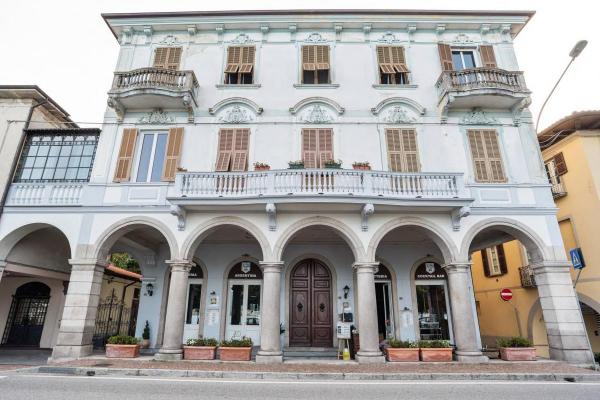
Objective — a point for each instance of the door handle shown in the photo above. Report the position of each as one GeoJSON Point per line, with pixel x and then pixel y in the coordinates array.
{"type": "Point", "coordinates": [300, 307]}
{"type": "Point", "coordinates": [321, 307]}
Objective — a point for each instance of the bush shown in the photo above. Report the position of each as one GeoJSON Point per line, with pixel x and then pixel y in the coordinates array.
{"type": "Point", "coordinates": [243, 342]}
{"type": "Point", "coordinates": [122, 339]}
{"type": "Point", "coordinates": [516, 341]}
{"type": "Point", "coordinates": [401, 344]}
{"type": "Point", "coordinates": [146, 332]}
{"type": "Point", "coordinates": [434, 344]}
{"type": "Point", "coordinates": [210, 342]}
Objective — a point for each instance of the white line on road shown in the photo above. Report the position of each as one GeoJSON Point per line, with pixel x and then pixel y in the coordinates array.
{"type": "Point", "coordinates": [2, 377]}
{"type": "Point", "coordinates": [303, 382]}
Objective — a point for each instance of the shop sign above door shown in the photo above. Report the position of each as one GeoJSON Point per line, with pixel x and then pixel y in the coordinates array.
{"type": "Point", "coordinates": [245, 270]}
{"type": "Point", "coordinates": [430, 270]}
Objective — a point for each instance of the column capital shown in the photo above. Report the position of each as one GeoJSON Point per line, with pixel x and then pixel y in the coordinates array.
{"type": "Point", "coordinates": [550, 266]}
{"type": "Point", "coordinates": [457, 267]}
{"type": "Point", "coordinates": [271, 266]}
{"type": "Point", "coordinates": [180, 265]}
{"type": "Point", "coordinates": [371, 267]}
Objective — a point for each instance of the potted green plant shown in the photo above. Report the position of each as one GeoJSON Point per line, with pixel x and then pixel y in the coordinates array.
{"type": "Point", "coordinates": [516, 349]}
{"type": "Point", "coordinates": [299, 164]}
{"type": "Point", "coordinates": [146, 336]}
{"type": "Point", "coordinates": [236, 349]}
{"type": "Point", "coordinates": [333, 164]}
{"type": "Point", "coordinates": [361, 165]}
{"type": "Point", "coordinates": [122, 346]}
{"type": "Point", "coordinates": [259, 166]}
{"type": "Point", "coordinates": [401, 350]}
{"type": "Point", "coordinates": [200, 349]}
{"type": "Point", "coordinates": [435, 350]}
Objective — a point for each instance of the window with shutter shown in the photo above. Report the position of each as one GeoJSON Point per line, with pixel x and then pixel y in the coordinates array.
{"type": "Point", "coordinates": [125, 159]}
{"type": "Point", "coordinates": [485, 152]}
{"type": "Point", "coordinates": [315, 64]}
{"type": "Point", "coordinates": [488, 59]}
{"type": "Point", "coordinates": [494, 261]}
{"type": "Point", "coordinates": [392, 65]}
{"type": "Point", "coordinates": [556, 167]}
{"type": "Point", "coordinates": [240, 65]}
{"type": "Point", "coordinates": [403, 153]}
{"type": "Point", "coordinates": [233, 150]}
{"type": "Point", "coordinates": [445, 57]}
{"type": "Point", "coordinates": [317, 147]}
{"type": "Point", "coordinates": [167, 57]}
{"type": "Point", "coordinates": [173, 154]}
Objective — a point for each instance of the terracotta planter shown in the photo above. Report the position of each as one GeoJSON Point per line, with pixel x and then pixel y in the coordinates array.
{"type": "Point", "coordinates": [296, 166]}
{"type": "Point", "coordinates": [402, 354]}
{"type": "Point", "coordinates": [441, 354]}
{"type": "Point", "coordinates": [362, 167]}
{"type": "Point", "coordinates": [262, 168]}
{"type": "Point", "coordinates": [199, 352]}
{"type": "Point", "coordinates": [145, 343]}
{"type": "Point", "coordinates": [517, 353]}
{"type": "Point", "coordinates": [235, 353]}
{"type": "Point", "coordinates": [122, 350]}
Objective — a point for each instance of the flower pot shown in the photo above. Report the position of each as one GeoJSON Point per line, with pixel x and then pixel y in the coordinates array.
{"type": "Point", "coordinates": [235, 353]}
{"type": "Point", "coordinates": [266, 168]}
{"type": "Point", "coordinates": [199, 352]}
{"type": "Point", "coordinates": [296, 166]}
{"type": "Point", "coordinates": [145, 343]}
{"type": "Point", "coordinates": [395, 354]}
{"type": "Point", "coordinates": [517, 353]}
{"type": "Point", "coordinates": [362, 167]}
{"type": "Point", "coordinates": [122, 350]}
{"type": "Point", "coordinates": [333, 166]}
{"type": "Point", "coordinates": [439, 354]}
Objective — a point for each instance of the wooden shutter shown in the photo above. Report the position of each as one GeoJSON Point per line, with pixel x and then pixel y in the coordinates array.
{"type": "Point", "coordinates": [325, 146]}
{"type": "Point", "coordinates": [560, 166]}
{"type": "Point", "coordinates": [394, 146]}
{"type": "Point", "coordinates": [309, 58]}
{"type": "Point", "coordinates": [403, 154]}
{"type": "Point", "coordinates": [409, 146]}
{"type": "Point", "coordinates": [240, 150]}
{"type": "Point", "coordinates": [384, 59]}
{"type": "Point", "coordinates": [322, 57]}
{"type": "Point", "coordinates": [309, 148]}
{"type": "Point", "coordinates": [445, 57]}
{"type": "Point", "coordinates": [234, 56]}
{"type": "Point", "coordinates": [160, 57]}
{"type": "Point", "coordinates": [226, 137]}
{"type": "Point", "coordinates": [167, 57]}
{"type": "Point", "coordinates": [398, 59]}
{"type": "Point", "coordinates": [492, 149]}
{"type": "Point", "coordinates": [485, 151]}
{"type": "Point", "coordinates": [502, 259]}
{"type": "Point", "coordinates": [247, 59]}
{"type": "Point", "coordinates": [125, 159]}
{"type": "Point", "coordinates": [487, 56]}
{"type": "Point", "coordinates": [486, 263]}
{"type": "Point", "coordinates": [173, 154]}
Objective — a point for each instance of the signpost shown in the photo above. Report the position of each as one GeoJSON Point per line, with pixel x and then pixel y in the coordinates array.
{"type": "Point", "coordinates": [577, 261]}
{"type": "Point", "coordinates": [506, 294]}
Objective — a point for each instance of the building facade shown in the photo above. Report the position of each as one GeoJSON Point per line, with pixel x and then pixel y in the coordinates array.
{"type": "Point", "coordinates": [275, 173]}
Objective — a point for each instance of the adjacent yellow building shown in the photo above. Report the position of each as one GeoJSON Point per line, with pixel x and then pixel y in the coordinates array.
{"type": "Point", "coordinates": [571, 153]}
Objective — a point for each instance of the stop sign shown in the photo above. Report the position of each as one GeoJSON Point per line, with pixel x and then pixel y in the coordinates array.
{"type": "Point", "coordinates": [506, 294]}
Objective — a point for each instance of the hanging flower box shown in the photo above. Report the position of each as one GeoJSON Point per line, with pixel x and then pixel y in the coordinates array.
{"type": "Point", "coordinates": [258, 166]}
{"type": "Point", "coordinates": [332, 164]}
{"type": "Point", "coordinates": [296, 164]}
{"type": "Point", "coordinates": [362, 166]}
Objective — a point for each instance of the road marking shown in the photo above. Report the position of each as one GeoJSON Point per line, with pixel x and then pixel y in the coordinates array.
{"type": "Point", "coordinates": [303, 382]}
{"type": "Point", "coordinates": [2, 377]}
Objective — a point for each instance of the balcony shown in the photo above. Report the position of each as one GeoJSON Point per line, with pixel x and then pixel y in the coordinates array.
{"type": "Point", "coordinates": [154, 88]}
{"type": "Point", "coordinates": [558, 189]}
{"type": "Point", "coordinates": [489, 88]}
{"type": "Point", "coordinates": [45, 194]}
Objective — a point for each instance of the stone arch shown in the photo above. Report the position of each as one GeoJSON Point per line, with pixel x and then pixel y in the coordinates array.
{"type": "Point", "coordinates": [235, 100]}
{"type": "Point", "coordinates": [439, 237]}
{"type": "Point", "coordinates": [317, 100]}
{"type": "Point", "coordinates": [342, 229]}
{"type": "Point", "coordinates": [203, 230]}
{"type": "Point", "coordinates": [588, 301]}
{"type": "Point", "coordinates": [534, 244]}
{"type": "Point", "coordinates": [398, 100]}
{"type": "Point", "coordinates": [107, 239]}
{"type": "Point", "coordinates": [10, 240]}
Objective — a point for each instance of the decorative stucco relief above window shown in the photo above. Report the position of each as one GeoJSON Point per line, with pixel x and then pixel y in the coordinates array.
{"type": "Point", "coordinates": [157, 116]}
{"type": "Point", "coordinates": [236, 115]}
{"type": "Point", "coordinates": [235, 110]}
{"type": "Point", "coordinates": [315, 37]}
{"type": "Point", "coordinates": [399, 115]}
{"type": "Point", "coordinates": [242, 38]}
{"type": "Point", "coordinates": [317, 115]}
{"type": "Point", "coordinates": [478, 117]}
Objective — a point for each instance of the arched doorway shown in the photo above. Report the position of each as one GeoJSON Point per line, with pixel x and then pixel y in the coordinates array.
{"type": "Point", "coordinates": [194, 308]}
{"type": "Point", "coordinates": [244, 300]}
{"type": "Point", "coordinates": [27, 315]}
{"type": "Point", "coordinates": [385, 303]}
{"type": "Point", "coordinates": [311, 305]}
{"type": "Point", "coordinates": [433, 312]}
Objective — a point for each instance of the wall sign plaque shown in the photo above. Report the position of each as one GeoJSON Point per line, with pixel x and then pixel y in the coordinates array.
{"type": "Point", "coordinates": [245, 270]}
{"type": "Point", "coordinates": [430, 270]}
{"type": "Point", "coordinates": [383, 274]}
{"type": "Point", "coordinates": [195, 272]}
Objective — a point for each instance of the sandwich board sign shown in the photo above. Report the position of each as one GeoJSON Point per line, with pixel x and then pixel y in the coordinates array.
{"type": "Point", "coordinates": [577, 258]}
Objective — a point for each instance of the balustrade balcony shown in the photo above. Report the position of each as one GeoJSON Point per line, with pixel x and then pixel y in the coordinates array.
{"type": "Point", "coordinates": [45, 194]}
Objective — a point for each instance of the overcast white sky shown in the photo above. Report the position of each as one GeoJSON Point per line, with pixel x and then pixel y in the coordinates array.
{"type": "Point", "coordinates": [64, 46]}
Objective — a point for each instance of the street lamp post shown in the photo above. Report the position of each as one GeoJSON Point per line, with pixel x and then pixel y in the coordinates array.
{"type": "Point", "coordinates": [575, 52]}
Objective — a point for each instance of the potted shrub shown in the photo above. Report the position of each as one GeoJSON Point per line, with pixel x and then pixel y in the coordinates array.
{"type": "Point", "coordinates": [146, 336]}
{"type": "Point", "coordinates": [333, 164]}
{"type": "Point", "coordinates": [516, 349]}
{"type": "Point", "coordinates": [200, 349]}
{"type": "Point", "coordinates": [435, 350]}
{"type": "Point", "coordinates": [361, 165]}
{"type": "Point", "coordinates": [122, 346]}
{"type": "Point", "coordinates": [299, 164]}
{"type": "Point", "coordinates": [236, 349]}
{"type": "Point", "coordinates": [258, 166]}
{"type": "Point", "coordinates": [400, 350]}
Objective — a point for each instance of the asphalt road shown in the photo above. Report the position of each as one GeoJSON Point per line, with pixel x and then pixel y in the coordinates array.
{"type": "Point", "coordinates": [45, 387]}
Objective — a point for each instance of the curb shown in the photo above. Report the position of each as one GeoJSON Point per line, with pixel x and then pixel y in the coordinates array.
{"type": "Point", "coordinates": [328, 376]}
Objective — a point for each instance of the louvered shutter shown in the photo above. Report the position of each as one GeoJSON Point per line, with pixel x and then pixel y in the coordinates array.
{"type": "Point", "coordinates": [226, 137]}
{"type": "Point", "coordinates": [160, 57]}
{"type": "Point", "coordinates": [173, 154]}
{"type": "Point", "coordinates": [494, 159]}
{"type": "Point", "coordinates": [409, 147]}
{"type": "Point", "coordinates": [486, 263]}
{"type": "Point", "coordinates": [478, 155]}
{"type": "Point", "coordinates": [502, 259]}
{"type": "Point", "coordinates": [173, 58]}
{"type": "Point", "coordinates": [394, 146]}
{"type": "Point", "coordinates": [325, 146]}
{"type": "Point", "coordinates": [560, 166]}
{"type": "Point", "coordinates": [403, 155]}
{"type": "Point", "coordinates": [398, 59]}
{"type": "Point", "coordinates": [384, 59]}
{"type": "Point", "coordinates": [487, 160]}
{"type": "Point", "coordinates": [234, 54]}
{"type": "Point", "coordinates": [125, 159]}
{"type": "Point", "coordinates": [309, 148]}
{"type": "Point", "coordinates": [488, 59]}
{"type": "Point", "coordinates": [445, 56]}
{"type": "Point", "coordinates": [240, 150]}
{"type": "Point", "coordinates": [247, 59]}
{"type": "Point", "coordinates": [309, 58]}
{"type": "Point", "coordinates": [322, 57]}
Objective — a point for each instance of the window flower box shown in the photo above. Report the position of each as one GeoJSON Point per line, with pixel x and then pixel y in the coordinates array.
{"type": "Point", "coordinates": [332, 164]}
{"type": "Point", "coordinates": [236, 350]}
{"type": "Point", "coordinates": [362, 166]}
{"type": "Point", "coordinates": [258, 166]}
{"type": "Point", "coordinates": [400, 351]}
{"type": "Point", "coordinates": [516, 349]}
{"type": "Point", "coordinates": [435, 350]}
{"type": "Point", "coordinates": [296, 165]}
{"type": "Point", "coordinates": [200, 349]}
{"type": "Point", "coordinates": [122, 346]}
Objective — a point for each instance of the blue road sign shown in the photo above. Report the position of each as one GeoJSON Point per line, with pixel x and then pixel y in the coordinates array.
{"type": "Point", "coordinates": [577, 258]}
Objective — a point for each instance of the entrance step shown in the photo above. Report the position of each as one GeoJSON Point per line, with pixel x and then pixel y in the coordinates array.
{"type": "Point", "coordinates": [309, 353]}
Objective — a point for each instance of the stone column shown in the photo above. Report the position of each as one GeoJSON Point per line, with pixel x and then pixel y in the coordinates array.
{"type": "Point", "coordinates": [367, 314]}
{"type": "Point", "coordinates": [171, 349]}
{"type": "Point", "coordinates": [270, 344]}
{"type": "Point", "coordinates": [2, 267]}
{"type": "Point", "coordinates": [567, 335]}
{"type": "Point", "coordinates": [463, 320]}
{"type": "Point", "coordinates": [79, 314]}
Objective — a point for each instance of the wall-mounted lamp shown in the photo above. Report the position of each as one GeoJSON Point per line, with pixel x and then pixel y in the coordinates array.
{"type": "Point", "coordinates": [346, 291]}
{"type": "Point", "coordinates": [149, 289]}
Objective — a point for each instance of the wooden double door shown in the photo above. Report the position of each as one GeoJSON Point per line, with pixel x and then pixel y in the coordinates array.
{"type": "Point", "coordinates": [311, 323]}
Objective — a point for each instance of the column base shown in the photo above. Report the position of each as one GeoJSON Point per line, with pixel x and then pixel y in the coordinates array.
{"type": "Point", "coordinates": [70, 352]}
{"type": "Point", "coordinates": [472, 357]}
{"type": "Point", "coordinates": [370, 357]}
{"type": "Point", "coordinates": [269, 357]}
{"type": "Point", "coordinates": [169, 355]}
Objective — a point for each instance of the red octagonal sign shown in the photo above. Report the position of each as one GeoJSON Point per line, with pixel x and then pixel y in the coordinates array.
{"type": "Point", "coordinates": [506, 294]}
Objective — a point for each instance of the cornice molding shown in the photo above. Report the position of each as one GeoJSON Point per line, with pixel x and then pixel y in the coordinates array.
{"type": "Point", "coordinates": [235, 100]}
{"type": "Point", "coordinates": [317, 100]}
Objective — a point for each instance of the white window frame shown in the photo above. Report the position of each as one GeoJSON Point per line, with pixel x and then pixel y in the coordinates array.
{"type": "Point", "coordinates": [494, 267]}
{"type": "Point", "coordinates": [462, 50]}
{"type": "Point", "coordinates": [138, 154]}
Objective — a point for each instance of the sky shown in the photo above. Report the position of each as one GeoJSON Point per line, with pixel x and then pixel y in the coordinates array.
{"type": "Point", "coordinates": [64, 46]}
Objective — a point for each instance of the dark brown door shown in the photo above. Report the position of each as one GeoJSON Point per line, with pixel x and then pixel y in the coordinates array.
{"type": "Point", "coordinates": [310, 305]}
